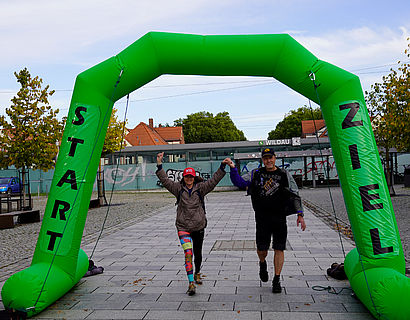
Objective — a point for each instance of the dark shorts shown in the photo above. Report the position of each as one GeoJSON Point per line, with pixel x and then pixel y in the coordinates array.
{"type": "Point", "coordinates": [276, 232]}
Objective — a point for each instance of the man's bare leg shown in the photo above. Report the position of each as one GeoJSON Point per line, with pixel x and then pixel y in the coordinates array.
{"type": "Point", "coordinates": [278, 260]}
{"type": "Point", "coordinates": [263, 267]}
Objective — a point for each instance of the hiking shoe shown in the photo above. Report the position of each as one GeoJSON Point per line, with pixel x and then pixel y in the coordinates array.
{"type": "Point", "coordinates": [263, 271]}
{"type": "Point", "coordinates": [197, 278]}
{"type": "Point", "coordinates": [191, 289]}
{"type": "Point", "coordinates": [276, 288]}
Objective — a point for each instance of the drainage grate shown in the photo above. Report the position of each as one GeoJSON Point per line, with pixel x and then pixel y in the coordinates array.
{"type": "Point", "coordinates": [239, 245]}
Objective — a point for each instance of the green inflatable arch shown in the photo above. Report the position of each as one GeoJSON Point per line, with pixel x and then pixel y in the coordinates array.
{"type": "Point", "coordinates": [375, 268]}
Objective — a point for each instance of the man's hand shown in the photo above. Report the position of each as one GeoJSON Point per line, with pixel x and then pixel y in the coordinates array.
{"type": "Point", "coordinates": [160, 156]}
{"type": "Point", "coordinates": [229, 162]}
{"type": "Point", "coordinates": [301, 220]}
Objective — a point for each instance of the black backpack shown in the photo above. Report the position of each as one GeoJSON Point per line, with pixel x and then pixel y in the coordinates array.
{"type": "Point", "coordinates": [337, 271]}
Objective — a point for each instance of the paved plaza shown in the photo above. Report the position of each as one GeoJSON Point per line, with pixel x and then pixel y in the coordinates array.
{"type": "Point", "coordinates": [144, 275]}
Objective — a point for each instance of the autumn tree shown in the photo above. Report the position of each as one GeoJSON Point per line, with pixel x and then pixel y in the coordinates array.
{"type": "Point", "coordinates": [29, 137]}
{"type": "Point", "coordinates": [291, 125]}
{"type": "Point", "coordinates": [114, 136]}
{"type": "Point", "coordinates": [113, 142]}
{"type": "Point", "coordinates": [204, 127]}
{"type": "Point", "coordinates": [388, 104]}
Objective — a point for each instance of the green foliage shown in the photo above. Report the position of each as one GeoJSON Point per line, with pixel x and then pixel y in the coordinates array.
{"type": "Point", "coordinates": [291, 125]}
{"type": "Point", "coordinates": [114, 134]}
{"type": "Point", "coordinates": [29, 138]}
{"type": "Point", "coordinates": [388, 104]}
{"type": "Point", "coordinates": [204, 127]}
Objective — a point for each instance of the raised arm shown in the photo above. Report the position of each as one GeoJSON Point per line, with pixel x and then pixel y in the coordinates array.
{"type": "Point", "coordinates": [236, 179]}
{"type": "Point", "coordinates": [210, 184]}
{"type": "Point", "coordinates": [171, 186]}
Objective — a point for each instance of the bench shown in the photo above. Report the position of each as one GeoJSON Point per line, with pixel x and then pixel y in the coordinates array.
{"type": "Point", "coordinates": [8, 200]}
{"type": "Point", "coordinates": [10, 219]}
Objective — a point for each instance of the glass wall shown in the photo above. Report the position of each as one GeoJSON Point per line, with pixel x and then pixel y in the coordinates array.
{"type": "Point", "coordinates": [136, 169]}
{"type": "Point", "coordinates": [220, 154]}
{"type": "Point", "coordinates": [200, 155]}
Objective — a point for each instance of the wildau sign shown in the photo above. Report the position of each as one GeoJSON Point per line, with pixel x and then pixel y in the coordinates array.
{"type": "Point", "coordinates": [281, 142]}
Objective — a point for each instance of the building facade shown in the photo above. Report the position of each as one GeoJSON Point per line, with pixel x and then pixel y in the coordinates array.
{"type": "Point", "coordinates": [309, 160]}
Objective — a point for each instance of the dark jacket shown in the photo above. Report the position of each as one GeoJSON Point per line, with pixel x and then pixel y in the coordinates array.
{"type": "Point", "coordinates": [286, 202]}
{"type": "Point", "coordinates": [190, 211]}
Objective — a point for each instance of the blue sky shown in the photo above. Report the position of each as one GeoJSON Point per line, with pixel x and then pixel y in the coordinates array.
{"type": "Point", "coordinates": [56, 40]}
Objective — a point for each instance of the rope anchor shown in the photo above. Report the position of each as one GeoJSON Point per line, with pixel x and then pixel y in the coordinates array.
{"type": "Point", "coordinates": [329, 289]}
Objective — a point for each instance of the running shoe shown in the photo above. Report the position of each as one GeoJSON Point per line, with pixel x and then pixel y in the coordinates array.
{"type": "Point", "coordinates": [276, 288]}
{"type": "Point", "coordinates": [191, 289]}
{"type": "Point", "coordinates": [197, 278]}
{"type": "Point", "coordinates": [263, 271]}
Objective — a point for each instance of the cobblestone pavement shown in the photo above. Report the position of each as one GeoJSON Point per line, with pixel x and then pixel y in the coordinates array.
{"type": "Point", "coordinates": [321, 199]}
{"type": "Point", "coordinates": [144, 276]}
{"type": "Point", "coordinates": [17, 244]}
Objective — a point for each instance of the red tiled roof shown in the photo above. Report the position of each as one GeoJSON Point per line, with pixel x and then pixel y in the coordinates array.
{"type": "Point", "coordinates": [171, 133]}
{"type": "Point", "coordinates": [309, 127]}
{"type": "Point", "coordinates": [143, 135]}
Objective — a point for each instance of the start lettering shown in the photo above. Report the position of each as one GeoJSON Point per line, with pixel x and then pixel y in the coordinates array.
{"type": "Point", "coordinates": [80, 118]}
{"type": "Point", "coordinates": [53, 238]}
{"type": "Point", "coordinates": [68, 177]}
{"type": "Point", "coordinates": [65, 206]}
{"type": "Point", "coordinates": [74, 142]}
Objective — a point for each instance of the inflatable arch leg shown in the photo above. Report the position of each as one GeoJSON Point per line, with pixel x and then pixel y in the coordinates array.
{"type": "Point", "coordinates": [375, 268]}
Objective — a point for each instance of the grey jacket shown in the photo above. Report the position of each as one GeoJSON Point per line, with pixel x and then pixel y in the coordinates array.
{"type": "Point", "coordinates": [190, 213]}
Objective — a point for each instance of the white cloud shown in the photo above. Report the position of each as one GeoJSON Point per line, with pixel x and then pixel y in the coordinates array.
{"type": "Point", "coordinates": [352, 48]}
{"type": "Point", "coordinates": [43, 33]}
{"type": "Point", "coordinates": [47, 30]}
{"type": "Point", "coordinates": [258, 118]}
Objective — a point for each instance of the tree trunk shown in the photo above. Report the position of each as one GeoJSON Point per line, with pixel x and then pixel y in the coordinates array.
{"type": "Point", "coordinates": [100, 187]}
{"type": "Point", "coordinates": [23, 182]}
{"type": "Point", "coordinates": [389, 175]}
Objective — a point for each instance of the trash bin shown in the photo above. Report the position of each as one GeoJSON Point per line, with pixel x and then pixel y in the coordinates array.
{"type": "Point", "coordinates": [407, 176]}
{"type": "Point", "coordinates": [298, 180]}
{"type": "Point", "coordinates": [321, 178]}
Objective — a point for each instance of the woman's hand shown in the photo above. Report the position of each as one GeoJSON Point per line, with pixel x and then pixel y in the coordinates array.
{"type": "Point", "coordinates": [229, 162]}
{"type": "Point", "coordinates": [160, 156]}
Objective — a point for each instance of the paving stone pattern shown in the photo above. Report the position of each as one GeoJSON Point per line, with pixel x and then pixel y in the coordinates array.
{"type": "Point", "coordinates": [328, 202]}
{"type": "Point", "coordinates": [17, 244]}
{"type": "Point", "coordinates": [144, 275]}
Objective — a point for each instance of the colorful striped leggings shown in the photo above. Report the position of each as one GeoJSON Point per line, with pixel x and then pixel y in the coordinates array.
{"type": "Point", "coordinates": [192, 244]}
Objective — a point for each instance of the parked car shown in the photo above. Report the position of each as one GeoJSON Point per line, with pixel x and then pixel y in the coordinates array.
{"type": "Point", "coordinates": [10, 185]}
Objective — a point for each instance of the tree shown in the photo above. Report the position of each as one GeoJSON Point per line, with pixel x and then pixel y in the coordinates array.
{"type": "Point", "coordinates": [114, 136]}
{"type": "Point", "coordinates": [29, 138]}
{"type": "Point", "coordinates": [113, 142]}
{"type": "Point", "coordinates": [204, 127]}
{"type": "Point", "coordinates": [389, 108]}
{"type": "Point", "coordinates": [291, 125]}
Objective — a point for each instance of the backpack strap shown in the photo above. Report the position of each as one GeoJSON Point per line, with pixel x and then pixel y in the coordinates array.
{"type": "Point", "coordinates": [201, 198]}
{"type": "Point", "coordinates": [253, 172]}
{"type": "Point", "coordinates": [179, 196]}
